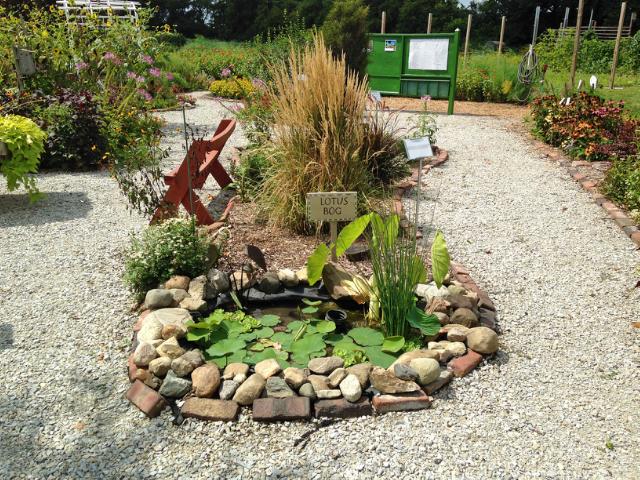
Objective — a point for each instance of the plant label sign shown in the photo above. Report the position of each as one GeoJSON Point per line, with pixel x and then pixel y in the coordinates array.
{"type": "Point", "coordinates": [25, 63]}
{"type": "Point", "coordinates": [332, 206]}
{"type": "Point", "coordinates": [418, 148]}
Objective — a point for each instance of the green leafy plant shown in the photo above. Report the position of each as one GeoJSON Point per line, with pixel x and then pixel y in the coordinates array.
{"type": "Point", "coordinates": [24, 142]}
{"type": "Point", "coordinates": [424, 124]}
{"type": "Point", "coordinates": [174, 247]}
{"type": "Point", "coordinates": [397, 269]}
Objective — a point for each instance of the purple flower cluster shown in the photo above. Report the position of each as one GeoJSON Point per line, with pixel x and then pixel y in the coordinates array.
{"type": "Point", "coordinates": [136, 77]}
{"type": "Point", "coordinates": [425, 98]}
{"type": "Point", "coordinates": [147, 59]}
{"type": "Point", "coordinates": [155, 72]}
{"type": "Point", "coordinates": [258, 84]}
{"type": "Point", "coordinates": [81, 65]}
{"type": "Point", "coordinates": [113, 58]}
{"type": "Point", "coordinates": [225, 73]}
{"type": "Point", "coordinates": [144, 94]}
{"type": "Point", "coordinates": [169, 76]}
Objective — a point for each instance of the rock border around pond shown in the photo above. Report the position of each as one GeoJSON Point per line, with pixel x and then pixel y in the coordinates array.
{"type": "Point", "coordinates": [163, 370]}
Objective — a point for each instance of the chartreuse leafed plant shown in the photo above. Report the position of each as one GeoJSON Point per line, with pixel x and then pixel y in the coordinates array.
{"type": "Point", "coordinates": [397, 269]}
{"type": "Point", "coordinates": [319, 106]}
{"type": "Point", "coordinates": [24, 142]}
{"type": "Point", "coordinates": [175, 247]}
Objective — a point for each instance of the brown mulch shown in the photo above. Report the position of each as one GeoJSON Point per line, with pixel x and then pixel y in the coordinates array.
{"type": "Point", "coordinates": [281, 247]}
{"type": "Point", "coordinates": [460, 107]}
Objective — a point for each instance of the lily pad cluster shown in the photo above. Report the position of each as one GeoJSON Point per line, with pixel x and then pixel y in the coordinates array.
{"type": "Point", "coordinates": [228, 337]}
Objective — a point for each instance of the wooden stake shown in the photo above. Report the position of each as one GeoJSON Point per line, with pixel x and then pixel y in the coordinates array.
{"type": "Point", "coordinates": [383, 24]}
{"type": "Point", "coordinates": [429, 20]}
{"type": "Point", "coordinates": [333, 228]}
{"type": "Point", "coordinates": [504, 21]}
{"type": "Point", "coordinates": [616, 50]}
{"type": "Point", "coordinates": [576, 43]}
{"type": "Point", "coordinates": [466, 40]}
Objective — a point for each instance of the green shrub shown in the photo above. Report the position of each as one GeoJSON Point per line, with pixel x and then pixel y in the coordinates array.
{"type": "Point", "coordinates": [24, 141]}
{"type": "Point", "coordinates": [231, 88]}
{"type": "Point", "coordinates": [622, 183]}
{"type": "Point", "coordinates": [249, 175]}
{"type": "Point", "coordinates": [175, 247]}
{"type": "Point", "coordinates": [345, 30]}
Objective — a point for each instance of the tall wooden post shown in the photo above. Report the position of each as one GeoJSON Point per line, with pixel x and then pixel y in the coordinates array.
{"type": "Point", "coordinates": [429, 20]}
{"type": "Point", "coordinates": [504, 21]}
{"type": "Point", "coordinates": [616, 50]}
{"type": "Point", "coordinates": [383, 24]}
{"type": "Point", "coordinates": [466, 40]}
{"type": "Point", "coordinates": [576, 43]}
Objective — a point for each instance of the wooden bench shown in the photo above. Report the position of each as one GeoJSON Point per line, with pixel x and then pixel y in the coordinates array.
{"type": "Point", "coordinates": [203, 156]}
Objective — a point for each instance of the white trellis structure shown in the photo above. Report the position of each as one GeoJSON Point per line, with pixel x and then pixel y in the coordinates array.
{"type": "Point", "coordinates": [77, 10]}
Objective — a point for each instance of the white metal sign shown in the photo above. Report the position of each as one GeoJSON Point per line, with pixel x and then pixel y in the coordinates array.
{"type": "Point", "coordinates": [418, 148]}
{"type": "Point", "coordinates": [428, 53]}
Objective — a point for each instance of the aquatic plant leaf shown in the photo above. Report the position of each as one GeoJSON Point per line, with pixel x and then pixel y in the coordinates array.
{"type": "Point", "coordinates": [347, 346]}
{"type": "Point", "coordinates": [350, 233]}
{"type": "Point", "coordinates": [309, 310]}
{"type": "Point", "coordinates": [269, 320]}
{"type": "Point", "coordinates": [223, 347]}
{"type": "Point", "coordinates": [267, 353]}
{"type": "Point", "coordinates": [311, 303]}
{"type": "Point", "coordinates": [308, 344]}
{"type": "Point", "coordinates": [393, 344]}
{"type": "Point", "coordinates": [236, 357]}
{"type": "Point", "coordinates": [256, 347]}
{"type": "Point", "coordinates": [439, 259]}
{"type": "Point", "coordinates": [195, 334]}
{"type": "Point", "coordinates": [378, 357]}
{"type": "Point", "coordinates": [366, 336]}
{"type": "Point", "coordinates": [221, 362]}
{"type": "Point", "coordinates": [428, 324]}
{"type": "Point", "coordinates": [316, 262]}
{"type": "Point", "coordinates": [294, 326]}
{"type": "Point", "coordinates": [284, 339]}
{"type": "Point", "coordinates": [249, 336]}
{"type": "Point", "coordinates": [324, 326]}
{"type": "Point", "coordinates": [334, 338]}
{"type": "Point", "coordinates": [264, 332]}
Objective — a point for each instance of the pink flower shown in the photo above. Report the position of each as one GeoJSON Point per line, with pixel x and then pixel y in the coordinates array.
{"type": "Point", "coordinates": [147, 59]}
{"type": "Point", "coordinates": [140, 79]}
{"type": "Point", "coordinates": [155, 72]}
{"type": "Point", "coordinates": [258, 84]}
{"type": "Point", "coordinates": [425, 98]}
{"type": "Point", "coordinates": [132, 75]}
{"type": "Point", "coordinates": [81, 65]}
{"type": "Point", "coordinates": [169, 76]}
{"type": "Point", "coordinates": [225, 73]}
{"type": "Point", "coordinates": [144, 94]}
{"type": "Point", "coordinates": [113, 58]}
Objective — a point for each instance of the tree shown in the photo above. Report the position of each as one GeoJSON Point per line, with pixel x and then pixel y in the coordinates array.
{"type": "Point", "coordinates": [345, 30]}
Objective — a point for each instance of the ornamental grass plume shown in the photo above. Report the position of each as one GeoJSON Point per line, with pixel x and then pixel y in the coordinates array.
{"type": "Point", "coordinates": [319, 133]}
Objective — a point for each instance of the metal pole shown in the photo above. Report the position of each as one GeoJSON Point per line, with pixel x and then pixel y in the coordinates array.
{"type": "Point", "coordinates": [383, 24]}
{"type": "Point", "coordinates": [576, 43]}
{"type": "Point", "coordinates": [418, 192]}
{"type": "Point", "coordinates": [18, 75]}
{"type": "Point", "coordinates": [429, 20]}
{"type": "Point", "coordinates": [536, 23]}
{"type": "Point", "coordinates": [631, 20]}
{"type": "Point", "coordinates": [566, 18]}
{"type": "Point", "coordinates": [186, 146]}
{"type": "Point", "coordinates": [504, 21]}
{"type": "Point", "coordinates": [591, 19]}
{"type": "Point", "coordinates": [466, 40]}
{"type": "Point", "coordinates": [616, 50]}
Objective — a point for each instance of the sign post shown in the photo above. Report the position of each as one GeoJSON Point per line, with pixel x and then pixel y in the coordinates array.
{"type": "Point", "coordinates": [332, 207]}
{"type": "Point", "coordinates": [418, 148]}
{"type": "Point", "coordinates": [25, 65]}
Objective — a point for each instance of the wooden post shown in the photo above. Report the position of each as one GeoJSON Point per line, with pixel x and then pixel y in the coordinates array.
{"type": "Point", "coordinates": [429, 20]}
{"type": "Point", "coordinates": [333, 229]}
{"type": "Point", "coordinates": [466, 40]}
{"type": "Point", "coordinates": [616, 50]}
{"type": "Point", "coordinates": [566, 18]}
{"type": "Point", "coordinates": [631, 20]}
{"type": "Point", "coordinates": [383, 24]}
{"type": "Point", "coordinates": [576, 43]}
{"type": "Point", "coordinates": [504, 21]}
{"type": "Point", "coordinates": [591, 19]}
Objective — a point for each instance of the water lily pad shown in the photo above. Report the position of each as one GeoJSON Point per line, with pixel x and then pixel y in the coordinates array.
{"type": "Point", "coordinates": [283, 339]}
{"type": "Point", "coordinates": [225, 346]}
{"type": "Point", "coordinates": [195, 334]}
{"type": "Point", "coordinates": [221, 362]}
{"type": "Point", "coordinates": [334, 338]}
{"type": "Point", "coordinates": [366, 336]}
{"type": "Point", "coordinates": [249, 336]}
{"type": "Point", "coordinates": [267, 353]}
{"type": "Point", "coordinates": [308, 344]}
{"type": "Point", "coordinates": [347, 346]}
{"type": "Point", "coordinates": [264, 332]}
{"type": "Point", "coordinates": [309, 310]}
{"type": "Point", "coordinates": [300, 359]}
{"type": "Point", "coordinates": [378, 357]}
{"type": "Point", "coordinates": [236, 357]}
{"type": "Point", "coordinates": [294, 326]}
{"type": "Point", "coordinates": [256, 347]}
{"type": "Point", "coordinates": [269, 320]}
{"type": "Point", "coordinates": [393, 344]}
{"type": "Point", "coordinates": [324, 326]}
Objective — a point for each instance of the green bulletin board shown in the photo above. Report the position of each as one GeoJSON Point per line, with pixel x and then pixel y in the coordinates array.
{"type": "Point", "coordinates": [414, 65]}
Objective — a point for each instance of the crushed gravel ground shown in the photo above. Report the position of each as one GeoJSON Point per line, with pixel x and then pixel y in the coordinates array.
{"type": "Point", "coordinates": [565, 386]}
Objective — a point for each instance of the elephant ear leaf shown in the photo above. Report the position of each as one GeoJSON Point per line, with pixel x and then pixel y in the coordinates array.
{"type": "Point", "coordinates": [316, 262]}
{"type": "Point", "coordinates": [440, 259]}
{"type": "Point", "coordinates": [428, 324]}
{"type": "Point", "coordinates": [350, 233]}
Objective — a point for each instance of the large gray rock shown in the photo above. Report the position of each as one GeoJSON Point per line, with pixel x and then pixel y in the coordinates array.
{"type": "Point", "coordinates": [325, 365]}
{"type": "Point", "coordinates": [250, 390]}
{"type": "Point", "coordinates": [295, 377]}
{"type": "Point", "coordinates": [199, 289]}
{"type": "Point", "coordinates": [361, 371]}
{"type": "Point", "coordinates": [218, 281]}
{"type": "Point", "coordinates": [428, 369]}
{"type": "Point", "coordinates": [233, 369]}
{"type": "Point", "coordinates": [308, 391]}
{"type": "Point", "coordinates": [175, 387]}
{"type": "Point", "coordinates": [144, 354]}
{"type": "Point", "coordinates": [194, 304]}
{"type": "Point", "coordinates": [462, 301]}
{"type": "Point", "coordinates": [170, 348]}
{"type": "Point", "coordinates": [206, 379]}
{"type": "Point", "coordinates": [178, 295]}
{"type": "Point", "coordinates": [169, 316]}
{"type": "Point", "coordinates": [158, 298]}
{"type": "Point", "coordinates": [464, 316]}
{"type": "Point", "coordinates": [288, 277]}
{"type": "Point", "coordinates": [406, 357]}
{"type": "Point", "coordinates": [336, 377]}
{"type": "Point", "coordinates": [328, 394]}
{"type": "Point", "coordinates": [160, 366]}
{"type": "Point", "coordinates": [405, 372]}
{"type": "Point", "coordinates": [151, 330]}
{"type": "Point", "coordinates": [386, 382]}
{"type": "Point", "coordinates": [482, 340]}
{"type": "Point", "coordinates": [429, 291]}
{"type": "Point", "coordinates": [267, 368]}
{"type": "Point", "coordinates": [350, 388]}
{"type": "Point", "coordinates": [278, 388]}
{"type": "Point", "coordinates": [269, 283]}
{"type": "Point", "coordinates": [319, 382]}
{"type": "Point", "coordinates": [187, 363]}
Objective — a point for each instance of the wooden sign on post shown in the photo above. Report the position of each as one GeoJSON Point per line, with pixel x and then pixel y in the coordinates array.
{"type": "Point", "coordinates": [332, 207]}
{"type": "Point", "coordinates": [25, 65]}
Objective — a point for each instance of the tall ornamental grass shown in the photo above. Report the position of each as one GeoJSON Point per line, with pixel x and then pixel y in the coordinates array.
{"type": "Point", "coordinates": [319, 133]}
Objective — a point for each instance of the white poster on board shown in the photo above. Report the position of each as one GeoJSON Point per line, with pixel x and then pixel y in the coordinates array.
{"type": "Point", "coordinates": [428, 53]}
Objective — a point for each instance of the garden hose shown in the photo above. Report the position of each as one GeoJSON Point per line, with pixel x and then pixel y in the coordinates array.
{"type": "Point", "coordinates": [528, 72]}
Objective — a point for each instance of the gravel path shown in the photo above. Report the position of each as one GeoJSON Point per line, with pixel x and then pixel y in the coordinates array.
{"type": "Point", "coordinates": [545, 408]}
